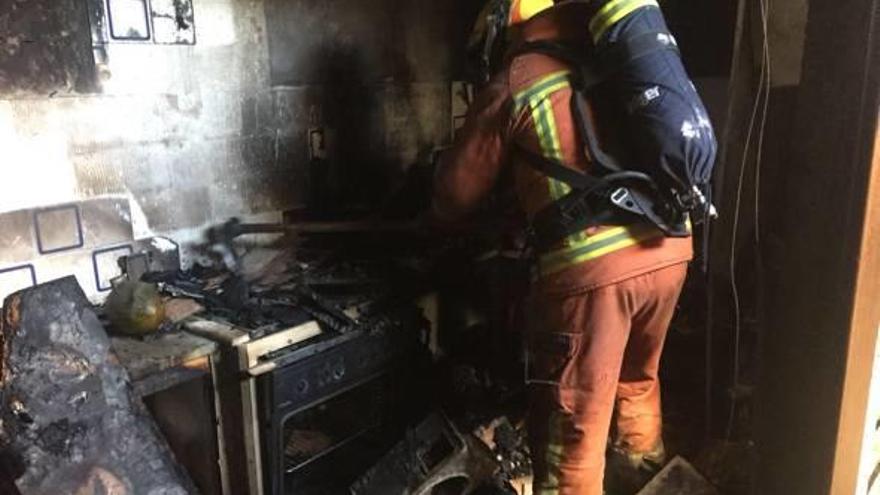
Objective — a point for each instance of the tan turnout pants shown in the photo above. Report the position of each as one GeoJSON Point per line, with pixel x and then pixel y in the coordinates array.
{"type": "Point", "coordinates": [589, 354]}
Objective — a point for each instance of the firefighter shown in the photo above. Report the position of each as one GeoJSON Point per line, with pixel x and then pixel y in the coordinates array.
{"type": "Point", "coordinates": [602, 297]}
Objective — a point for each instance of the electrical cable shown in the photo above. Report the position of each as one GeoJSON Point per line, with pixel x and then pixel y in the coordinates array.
{"type": "Point", "coordinates": [710, 293]}
{"type": "Point", "coordinates": [763, 93]}
{"type": "Point", "coordinates": [765, 16]}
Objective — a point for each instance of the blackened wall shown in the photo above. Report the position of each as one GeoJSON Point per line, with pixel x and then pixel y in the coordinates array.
{"type": "Point", "coordinates": [195, 134]}
{"type": "Point", "coordinates": [192, 135]}
{"type": "Point", "coordinates": [374, 77]}
{"type": "Point", "coordinates": [45, 46]}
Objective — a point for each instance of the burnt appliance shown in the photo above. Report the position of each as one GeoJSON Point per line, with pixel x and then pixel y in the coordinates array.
{"type": "Point", "coordinates": [433, 458]}
{"type": "Point", "coordinates": [327, 417]}
{"type": "Point", "coordinates": [326, 384]}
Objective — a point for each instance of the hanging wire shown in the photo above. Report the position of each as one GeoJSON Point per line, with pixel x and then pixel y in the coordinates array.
{"type": "Point", "coordinates": [765, 16]}
{"type": "Point", "coordinates": [762, 94]}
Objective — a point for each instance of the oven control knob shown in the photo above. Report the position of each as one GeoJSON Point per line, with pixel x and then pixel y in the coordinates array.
{"type": "Point", "coordinates": [339, 371]}
{"type": "Point", "coordinates": [303, 386]}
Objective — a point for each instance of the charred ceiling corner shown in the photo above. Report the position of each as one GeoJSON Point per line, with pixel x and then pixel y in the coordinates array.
{"type": "Point", "coordinates": [68, 419]}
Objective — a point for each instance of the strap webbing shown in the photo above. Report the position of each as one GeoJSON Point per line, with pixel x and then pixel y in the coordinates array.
{"type": "Point", "coordinates": [558, 171]}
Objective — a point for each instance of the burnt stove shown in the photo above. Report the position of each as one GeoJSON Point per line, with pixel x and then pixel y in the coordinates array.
{"type": "Point", "coordinates": [326, 368]}
{"type": "Point", "coordinates": [327, 417]}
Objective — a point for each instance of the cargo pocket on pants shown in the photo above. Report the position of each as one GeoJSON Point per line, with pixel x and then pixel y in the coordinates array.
{"type": "Point", "coordinates": [549, 356]}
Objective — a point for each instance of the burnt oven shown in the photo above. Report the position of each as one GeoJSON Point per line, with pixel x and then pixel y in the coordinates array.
{"type": "Point", "coordinates": [331, 409]}
{"type": "Point", "coordinates": [315, 405]}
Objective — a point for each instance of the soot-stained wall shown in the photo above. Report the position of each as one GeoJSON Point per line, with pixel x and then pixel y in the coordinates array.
{"type": "Point", "coordinates": [374, 77]}
{"type": "Point", "coordinates": [188, 132]}
{"type": "Point", "coordinates": [195, 134]}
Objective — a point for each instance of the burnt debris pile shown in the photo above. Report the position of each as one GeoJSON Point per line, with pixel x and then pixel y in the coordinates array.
{"type": "Point", "coordinates": [70, 423]}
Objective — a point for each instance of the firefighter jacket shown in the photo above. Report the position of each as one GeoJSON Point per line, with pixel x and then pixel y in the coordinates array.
{"type": "Point", "coordinates": [528, 104]}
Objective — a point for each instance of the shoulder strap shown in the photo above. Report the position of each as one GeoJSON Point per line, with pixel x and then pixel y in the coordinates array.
{"type": "Point", "coordinates": [558, 171]}
{"type": "Point", "coordinates": [585, 77]}
{"type": "Point", "coordinates": [590, 71]}
{"type": "Point", "coordinates": [587, 74]}
{"type": "Point", "coordinates": [579, 181]}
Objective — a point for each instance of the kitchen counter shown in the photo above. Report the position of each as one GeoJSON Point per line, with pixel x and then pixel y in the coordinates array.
{"type": "Point", "coordinates": [163, 361]}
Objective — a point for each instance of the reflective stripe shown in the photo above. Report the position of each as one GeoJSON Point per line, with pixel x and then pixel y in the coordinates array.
{"type": "Point", "coordinates": [614, 11]}
{"type": "Point", "coordinates": [537, 98]}
{"type": "Point", "coordinates": [550, 145]}
{"type": "Point", "coordinates": [553, 456]}
{"type": "Point", "coordinates": [544, 87]}
{"type": "Point", "coordinates": [595, 246]}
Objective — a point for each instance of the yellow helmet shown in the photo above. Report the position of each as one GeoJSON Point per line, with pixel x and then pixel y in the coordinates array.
{"type": "Point", "coordinates": [508, 12]}
{"type": "Point", "coordinates": [523, 10]}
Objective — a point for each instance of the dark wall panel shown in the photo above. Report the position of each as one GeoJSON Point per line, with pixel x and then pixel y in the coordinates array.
{"type": "Point", "coordinates": [705, 34]}
{"type": "Point", "coordinates": [374, 76]}
{"type": "Point", "coordinates": [45, 47]}
{"type": "Point", "coordinates": [318, 41]}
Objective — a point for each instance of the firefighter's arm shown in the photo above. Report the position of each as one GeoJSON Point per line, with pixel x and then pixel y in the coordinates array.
{"type": "Point", "coordinates": [467, 172]}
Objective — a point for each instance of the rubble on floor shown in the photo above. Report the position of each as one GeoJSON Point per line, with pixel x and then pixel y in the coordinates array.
{"type": "Point", "coordinates": [433, 458]}
{"type": "Point", "coordinates": [678, 478]}
{"type": "Point", "coordinates": [729, 465]}
{"type": "Point", "coordinates": [436, 458]}
{"type": "Point", "coordinates": [70, 423]}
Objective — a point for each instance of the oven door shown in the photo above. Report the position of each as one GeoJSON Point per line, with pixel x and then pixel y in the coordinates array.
{"type": "Point", "coordinates": [326, 446]}
{"type": "Point", "coordinates": [327, 419]}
